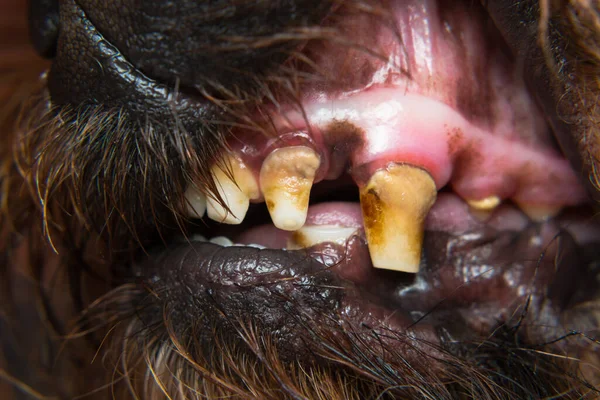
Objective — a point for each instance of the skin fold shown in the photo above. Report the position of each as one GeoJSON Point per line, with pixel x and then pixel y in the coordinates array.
{"type": "Point", "coordinates": [93, 168]}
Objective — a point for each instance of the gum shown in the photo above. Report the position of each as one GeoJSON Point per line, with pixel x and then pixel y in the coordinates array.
{"type": "Point", "coordinates": [386, 125]}
{"type": "Point", "coordinates": [427, 86]}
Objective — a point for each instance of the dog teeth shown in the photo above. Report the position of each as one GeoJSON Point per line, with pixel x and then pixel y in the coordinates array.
{"type": "Point", "coordinates": [311, 235]}
{"type": "Point", "coordinates": [483, 209]}
{"type": "Point", "coordinates": [196, 202]}
{"type": "Point", "coordinates": [286, 178]}
{"type": "Point", "coordinates": [221, 241]}
{"type": "Point", "coordinates": [539, 213]}
{"type": "Point", "coordinates": [395, 202]}
{"type": "Point", "coordinates": [486, 204]}
{"type": "Point", "coordinates": [236, 193]}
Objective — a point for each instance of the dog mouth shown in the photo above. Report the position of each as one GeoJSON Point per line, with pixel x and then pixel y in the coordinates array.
{"type": "Point", "coordinates": [416, 190]}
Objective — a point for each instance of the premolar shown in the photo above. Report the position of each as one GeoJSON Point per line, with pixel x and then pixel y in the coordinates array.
{"type": "Point", "coordinates": [286, 178]}
{"type": "Point", "coordinates": [395, 202]}
{"type": "Point", "coordinates": [235, 193]}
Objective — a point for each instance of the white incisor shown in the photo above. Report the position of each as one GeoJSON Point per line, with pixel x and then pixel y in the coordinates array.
{"type": "Point", "coordinates": [236, 193]}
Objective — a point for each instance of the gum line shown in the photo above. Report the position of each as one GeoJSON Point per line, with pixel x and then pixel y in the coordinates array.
{"type": "Point", "coordinates": [371, 129]}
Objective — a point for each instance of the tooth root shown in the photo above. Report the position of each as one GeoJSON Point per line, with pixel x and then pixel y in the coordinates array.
{"type": "Point", "coordinates": [236, 193]}
{"type": "Point", "coordinates": [539, 212]}
{"type": "Point", "coordinates": [286, 178]}
{"type": "Point", "coordinates": [395, 202]}
{"type": "Point", "coordinates": [196, 202]}
{"type": "Point", "coordinates": [311, 235]}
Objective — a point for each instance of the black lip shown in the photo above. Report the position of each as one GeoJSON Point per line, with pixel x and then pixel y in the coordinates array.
{"type": "Point", "coordinates": [207, 281]}
{"type": "Point", "coordinates": [468, 283]}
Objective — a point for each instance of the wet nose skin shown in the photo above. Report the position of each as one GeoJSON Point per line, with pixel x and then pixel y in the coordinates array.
{"type": "Point", "coordinates": [560, 69]}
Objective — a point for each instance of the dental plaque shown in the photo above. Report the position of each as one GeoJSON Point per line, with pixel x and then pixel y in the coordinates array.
{"type": "Point", "coordinates": [395, 203]}
{"type": "Point", "coordinates": [395, 151]}
{"type": "Point", "coordinates": [286, 177]}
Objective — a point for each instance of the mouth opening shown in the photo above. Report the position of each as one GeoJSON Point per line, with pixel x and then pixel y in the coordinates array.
{"type": "Point", "coordinates": [494, 259]}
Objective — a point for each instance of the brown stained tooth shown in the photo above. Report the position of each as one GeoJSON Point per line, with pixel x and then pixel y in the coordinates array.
{"type": "Point", "coordinates": [235, 193]}
{"type": "Point", "coordinates": [395, 202]}
{"type": "Point", "coordinates": [308, 236]}
{"type": "Point", "coordinates": [286, 178]}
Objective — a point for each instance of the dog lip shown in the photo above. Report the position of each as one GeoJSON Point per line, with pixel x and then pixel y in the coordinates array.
{"type": "Point", "coordinates": [266, 284]}
{"type": "Point", "coordinates": [245, 266]}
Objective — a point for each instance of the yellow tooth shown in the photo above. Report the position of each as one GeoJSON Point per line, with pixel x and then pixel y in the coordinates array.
{"type": "Point", "coordinates": [395, 203]}
{"type": "Point", "coordinates": [487, 204]}
{"type": "Point", "coordinates": [539, 212]}
{"type": "Point", "coordinates": [482, 209]}
{"type": "Point", "coordinates": [235, 193]}
{"type": "Point", "coordinates": [286, 178]}
{"type": "Point", "coordinates": [308, 236]}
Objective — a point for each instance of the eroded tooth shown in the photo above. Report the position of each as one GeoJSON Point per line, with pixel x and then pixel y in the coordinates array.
{"type": "Point", "coordinates": [235, 193]}
{"type": "Point", "coordinates": [311, 235]}
{"type": "Point", "coordinates": [196, 202]}
{"type": "Point", "coordinates": [286, 178]}
{"type": "Point", "coordinates": [395, 202]}
{"type": "Point", "coordinates": [539, 213]}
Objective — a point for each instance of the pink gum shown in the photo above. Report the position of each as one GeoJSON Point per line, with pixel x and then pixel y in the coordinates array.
{"type": "Point", "coordinates": [385, 125]}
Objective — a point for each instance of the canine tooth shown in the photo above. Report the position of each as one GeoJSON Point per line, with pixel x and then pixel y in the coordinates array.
{"type": "Point", "coordinates": [395, 202]}
{"type": "Point", "coordinates": [539, 213]}
{"type": "Point", "coordinates": [286, 178]}
{"type": "Point", "coordinates": [222, 241]}
{"type": "Point", "coordinates": [311, 235]}
{"type": "Point", "coordinates": [486, 204]}
{"type": "Point", "coordinates": [235, 193]}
